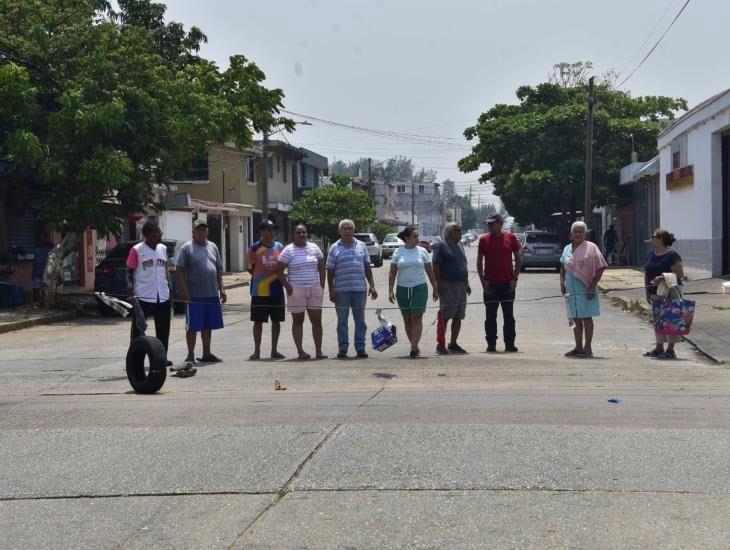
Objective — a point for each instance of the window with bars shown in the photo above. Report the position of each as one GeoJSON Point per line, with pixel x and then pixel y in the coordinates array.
{"type": "Point", "coordinates": [251, 169]}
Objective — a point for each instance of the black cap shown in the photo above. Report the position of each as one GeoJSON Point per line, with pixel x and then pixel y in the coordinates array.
{"type": "Point", "coordinates": [494, 218]}
{"type": "Point", "coordinates": [199, 222]}
{"type": "Point", "coordinates": [268, 224]}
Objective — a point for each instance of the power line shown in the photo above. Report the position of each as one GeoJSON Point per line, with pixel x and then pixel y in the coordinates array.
{"type": "Point", "coordinates": [654, 47]}
{"type": "Point", "coordinates": [646, 40]}
{"type": "Point", "coordinates": [396, 136]}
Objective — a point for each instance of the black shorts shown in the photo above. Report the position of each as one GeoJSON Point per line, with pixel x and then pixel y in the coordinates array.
{"type": "Point", "coordinates": [265, 307]}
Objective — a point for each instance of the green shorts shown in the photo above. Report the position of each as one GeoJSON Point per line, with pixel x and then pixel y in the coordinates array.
{"type": "Point", "coordinates": [412, 300]}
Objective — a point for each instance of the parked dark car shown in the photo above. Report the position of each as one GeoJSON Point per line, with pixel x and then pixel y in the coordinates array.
{"type": "Point", "coordinates": [110, 275]}
{"type": "Point", "coordinates": [540, 249]}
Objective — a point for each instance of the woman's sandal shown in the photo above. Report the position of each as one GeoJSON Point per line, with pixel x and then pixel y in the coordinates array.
{"type": "Point", "coordinates": [669, 354]}
{"type": "Point", "coordinates": [654, 353]}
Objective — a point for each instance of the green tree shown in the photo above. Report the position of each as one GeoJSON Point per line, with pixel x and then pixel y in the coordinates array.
{"type": "Point", "coordinates": [448, 190]}
{"type": "Point", "coordinates": [322, 209]}
{"type": "Point", "coordinates": [380, 230]}
{"type": "Point", "coordinates": [100, 103]}
{"type": "Point", "coordinates": [536, 149]}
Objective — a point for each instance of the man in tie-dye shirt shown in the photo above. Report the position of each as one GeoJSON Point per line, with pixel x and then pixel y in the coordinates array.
{"type": "Point", "coordinates": [267, 292]}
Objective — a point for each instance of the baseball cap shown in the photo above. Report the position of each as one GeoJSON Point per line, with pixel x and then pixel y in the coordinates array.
{"type": "Point", "coordinates": [199, 222]}
{"type": "Point", "coordinates": [494, 218]}
{"type": "Point", "coordinates": [268, 224]}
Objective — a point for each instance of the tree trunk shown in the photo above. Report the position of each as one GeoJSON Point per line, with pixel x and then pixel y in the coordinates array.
{"type": "Point", "coordinates": [53, 271]}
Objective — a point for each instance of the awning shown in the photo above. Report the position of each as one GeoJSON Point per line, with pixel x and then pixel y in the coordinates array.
{"type": "Point", "coordinates": [636, 170]}
{"type": "Point", "coordinates": [651, 168]}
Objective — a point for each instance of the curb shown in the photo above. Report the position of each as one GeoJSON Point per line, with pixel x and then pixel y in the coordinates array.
{"type": "Point", "coordinates": [644, 311]}
{"type": "Point", "coordinates": [39, 320]}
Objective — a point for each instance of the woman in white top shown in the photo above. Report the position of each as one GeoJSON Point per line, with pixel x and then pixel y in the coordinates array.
{"type": "Point", "coordinates": [411, 263]}
{"type": "Point", "coordinates": [304, 284]}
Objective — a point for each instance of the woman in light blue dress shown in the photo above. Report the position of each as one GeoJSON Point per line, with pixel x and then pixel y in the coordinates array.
{"type": "Point", "coordinates": [582, 266]}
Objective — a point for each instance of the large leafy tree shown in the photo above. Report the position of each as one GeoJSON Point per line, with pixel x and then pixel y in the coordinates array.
{"type": "Point", "coordinates": [536, 148]}
{"type": "Point", "coordinates": [101, 102]}
{"type": "Point", "coordinates": [322, 209]}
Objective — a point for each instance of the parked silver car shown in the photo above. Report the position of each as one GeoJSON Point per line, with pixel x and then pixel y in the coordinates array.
{"type": "Point", "coordinates": [540, 249]}
{"type": "Point", "coordinates": [374, 248]}
{"type": "Point", "coordinates": [391, 243]}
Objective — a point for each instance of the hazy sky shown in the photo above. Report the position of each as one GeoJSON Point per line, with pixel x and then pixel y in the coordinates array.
{"type": "Point", "coordinates": [431, 67]}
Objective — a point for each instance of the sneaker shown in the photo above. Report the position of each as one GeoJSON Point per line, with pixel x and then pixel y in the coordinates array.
{"type": "Point", "coordinates": [362, 354]}
{"type": "Point", "coordinates": [510, 348]}
{"type": "Point", "coordinates": [342, 355]}
{"type": "Point", "coordinates": [442, 350]}
{"type": "Point", "coordinates": [415, 354]}
{"type": "Point", "coordinates": [491, 346]}
{"type": "Point", "coordinates": [456, 348]}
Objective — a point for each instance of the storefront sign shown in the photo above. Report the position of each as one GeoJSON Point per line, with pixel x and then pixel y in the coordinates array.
{"type": "Point", "coordinates": [681, 177]}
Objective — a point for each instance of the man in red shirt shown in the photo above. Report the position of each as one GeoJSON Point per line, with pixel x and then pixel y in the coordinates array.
{"type": "Point", "coordinates": [499, 280]}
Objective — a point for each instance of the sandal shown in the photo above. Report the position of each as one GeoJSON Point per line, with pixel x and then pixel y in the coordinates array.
{"type": "Point", "coordinates": [575, 353]}
{"type": "Point", "coordinates": [654, 353]}
{"type": "Point", "coordinates": [669, 354]}
{"type": "Point", "coordinates": [210, 358]}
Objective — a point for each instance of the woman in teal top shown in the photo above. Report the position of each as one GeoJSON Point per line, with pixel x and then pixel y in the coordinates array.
{"type": "Point", "coordinates": [582, 268]}
{"type": "Point", "coordinates": [411, 263]}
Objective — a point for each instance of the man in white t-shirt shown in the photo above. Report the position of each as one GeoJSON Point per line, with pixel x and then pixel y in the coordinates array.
{"type": "Point", "coordinates": [147, 277]}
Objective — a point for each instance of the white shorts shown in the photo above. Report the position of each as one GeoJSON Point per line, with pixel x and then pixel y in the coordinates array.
{"type": "Point", "coordinates": [305, 297]}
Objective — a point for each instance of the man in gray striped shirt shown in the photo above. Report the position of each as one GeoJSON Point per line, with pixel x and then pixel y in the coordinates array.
{"type": "Point", "coordinates": [348, 276]}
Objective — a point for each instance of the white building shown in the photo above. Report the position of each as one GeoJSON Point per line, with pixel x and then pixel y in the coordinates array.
{"type": "Point", "coordinates": [694, 160]}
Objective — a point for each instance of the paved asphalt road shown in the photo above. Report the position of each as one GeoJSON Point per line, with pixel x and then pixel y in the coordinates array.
{"type": "Point", "coordinates": [498, 450]}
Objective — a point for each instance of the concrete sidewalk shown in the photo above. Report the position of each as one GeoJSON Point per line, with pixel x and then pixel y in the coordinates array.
{"type": "Point", "coordinates": [75, 304]}
{"type": "Point", "coordinates": [711, 327]}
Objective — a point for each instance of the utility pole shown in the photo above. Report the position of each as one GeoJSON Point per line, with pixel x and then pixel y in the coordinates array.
{"type": "Point", "coordinates": [371, 191]}
{"type": "Point", "coordinates": [413, 203]}
{"type": "Point", "coordinates": [223, 176]}
{"type": "Point", "coordinates": [589, 153]}
{"type": "Point", "coordinates": [470, 195]}
{"type": "Point", "coordinates": [265, 189]}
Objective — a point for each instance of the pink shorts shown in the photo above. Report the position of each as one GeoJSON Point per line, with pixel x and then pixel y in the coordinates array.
{"type": "Point", "coordinates": [305, 297]}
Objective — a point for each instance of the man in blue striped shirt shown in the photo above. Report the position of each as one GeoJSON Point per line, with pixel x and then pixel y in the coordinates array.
{"type": "Point", "coordinates": [350, 280]}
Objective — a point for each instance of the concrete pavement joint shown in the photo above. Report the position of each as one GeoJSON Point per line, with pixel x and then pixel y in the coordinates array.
{"type": "Point", "coordinates": [286, 489]}
{"type": "Point", "coordinates": [527, 489]}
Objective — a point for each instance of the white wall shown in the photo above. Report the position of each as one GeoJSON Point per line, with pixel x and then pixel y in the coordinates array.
{"type": "Point", "coordinates": [177, 224]}
{"type": "Point", "coordinates": [694, 213]}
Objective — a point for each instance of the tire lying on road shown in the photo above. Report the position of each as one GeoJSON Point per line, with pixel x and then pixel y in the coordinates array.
{"type": "Point", "coordinates": [146, 347]}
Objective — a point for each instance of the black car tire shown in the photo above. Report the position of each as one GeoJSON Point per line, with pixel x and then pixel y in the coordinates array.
{"type": "Point", "coordinates": [152, 381]}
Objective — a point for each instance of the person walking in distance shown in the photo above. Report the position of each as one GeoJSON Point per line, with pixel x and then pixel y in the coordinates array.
{"type": "Point", "coordinates": [411, 263]}
{"type": "Point", "coordinates": [349, 281]}
{"type": "Point", "coordinates": [148, 281]}
{"type": "Point", "coordinates": [304, 283]}
{"type": "Point", "coordinates": [452, 277]}
{"type": "Point", "coordinates": [497, 249]}
{"type": "Point", "coordinates": [267, 292]}
{"type": "Point", "coordinates": [200, 279]}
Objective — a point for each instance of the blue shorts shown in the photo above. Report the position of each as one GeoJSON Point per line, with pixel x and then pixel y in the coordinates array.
{"type": "Point", "coordinates": [204, 314]}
